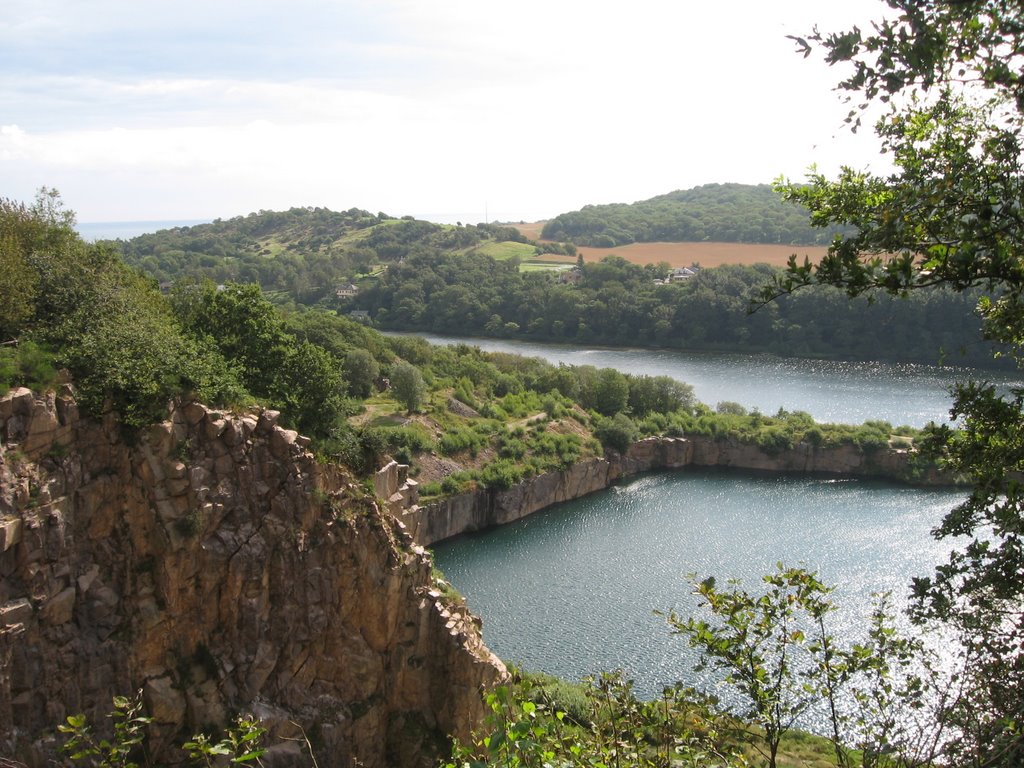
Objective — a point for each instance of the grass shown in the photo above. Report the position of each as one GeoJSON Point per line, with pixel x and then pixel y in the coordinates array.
{"type": "Point", "coordinates": [506, 250]}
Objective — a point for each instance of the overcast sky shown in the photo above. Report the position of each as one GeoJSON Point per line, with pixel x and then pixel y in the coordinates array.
{"type": "Point", "coordinates": [442, 109]}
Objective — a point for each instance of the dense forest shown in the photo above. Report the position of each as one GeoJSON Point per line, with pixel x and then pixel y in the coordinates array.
{"type": "Point", "coordinates": [726, 213]}
{"type": "Point", "coordinates": [615, 302]}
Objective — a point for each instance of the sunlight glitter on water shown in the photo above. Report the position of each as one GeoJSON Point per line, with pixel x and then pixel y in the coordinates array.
{"type": "Point", "coordinates": [572, 590]}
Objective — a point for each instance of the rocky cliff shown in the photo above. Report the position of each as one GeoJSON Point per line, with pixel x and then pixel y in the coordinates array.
{"type": "Point", "coordinates": [484, 508]}
{"type": "Point", "coordinates": [212, 564]}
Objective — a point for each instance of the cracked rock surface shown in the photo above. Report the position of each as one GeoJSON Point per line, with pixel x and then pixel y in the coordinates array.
{"type": "Point", "coordinates": [211, 563]}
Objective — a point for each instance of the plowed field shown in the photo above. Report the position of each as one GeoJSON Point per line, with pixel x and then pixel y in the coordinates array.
{"type": "Point", "coordinates": [685, 254]}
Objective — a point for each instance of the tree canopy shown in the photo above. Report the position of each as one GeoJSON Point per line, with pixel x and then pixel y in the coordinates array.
{"type": "Point", "coordinates": [727, 213]}
{"type": "Point", "coordinates": [950, 79]}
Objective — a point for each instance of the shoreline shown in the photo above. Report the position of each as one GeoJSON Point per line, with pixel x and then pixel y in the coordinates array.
{"type": "Point", "coordinates": [485, 508]}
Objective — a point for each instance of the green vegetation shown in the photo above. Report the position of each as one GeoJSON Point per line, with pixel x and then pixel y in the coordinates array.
{"type": "Point", "coordinates": [87, 312]}
{"type": "Point", "coordinates": [538, 720]}
{"type": "Point", "coordinates": [360, 396]}
{"type": "Point", "coordinates": [305, 254]}
{"type": "Point", "coordinates": [616, 302]}
{"type": "Point", "coordinates": [506, 250]}
{"type": "Point", "coordinates": [414, 275]}
{"type": "Point", "coordinates": [241, 743]}
{"type": "Point", "coordinates": [948, 218]}
{"type": "Point", "coordinates": [723, 213]}
{"type": "Point", "coordinates": [775, 651]}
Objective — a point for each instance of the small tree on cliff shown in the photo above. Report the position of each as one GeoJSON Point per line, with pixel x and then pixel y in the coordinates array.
{"type": "Point", "coordinates": [407, 385]}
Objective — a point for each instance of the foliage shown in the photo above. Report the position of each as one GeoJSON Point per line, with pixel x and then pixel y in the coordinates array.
{"type": "Point", "coordinates": [461, 439]}
{"type": "Point", "coordinates": [605, 391]}
{"type": "Point", "coordinates": [122, 749]}
{"type": "Point", "coordinates": [620, 303]}
{"type": "Point", "coordinates": [608, 726]}
{"type": "Point", "coordinates": [948, 216]}
{"type": "Point", "coordinates": [361, 371]}
{"type": "Point", "coordinates": [616, 432]}
{"type": "Point", "coordinates": [659, 394]}
{"type": "Point", "coordinates": [300, 378]}
{"type": "Point", "coordinates": [758, 645]}
{"type": "Point", "coordinates": [777, 654]}
{"type": "Point", "coordinates": [407, 385]}
{"type": "Point", "coordinates": [305, 253]}
{"type": "Point", "coordinates": [240, 744]}
{"type": "Point", "coordinates": [27, 365]}
{"type": "Point", "coordinates": [729, 213]}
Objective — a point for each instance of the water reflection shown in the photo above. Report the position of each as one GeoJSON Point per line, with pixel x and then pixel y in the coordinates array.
{"type": "Point", "coordinates": [572, 591]}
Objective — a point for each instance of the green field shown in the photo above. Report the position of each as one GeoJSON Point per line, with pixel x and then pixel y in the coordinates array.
{"type": "Point", "coordinates": [506, 250]}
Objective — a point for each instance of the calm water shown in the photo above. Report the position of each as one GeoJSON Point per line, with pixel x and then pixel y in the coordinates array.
{"type": "Point", "coordinates": [571, 591]}
{"type": "Point", "coordinates": [831, 391]}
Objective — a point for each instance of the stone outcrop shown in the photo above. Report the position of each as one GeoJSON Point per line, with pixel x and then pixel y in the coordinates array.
{"type": "Point", "coordinates": [215, 566]}
{"type": "Point", "coordinates": [484, 508]}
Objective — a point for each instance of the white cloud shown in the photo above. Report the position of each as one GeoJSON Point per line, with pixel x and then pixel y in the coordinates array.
{"type": "Point", "coordinates": [530, 107]}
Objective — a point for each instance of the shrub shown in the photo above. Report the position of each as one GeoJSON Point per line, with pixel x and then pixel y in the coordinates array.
{"type": "Point", "coordinates": [27, 365]}
{"type": "Point", "coordinates": [617, 432]}
{"type": "Point", "coordinates": [461, 439]}
{"type": "Point", "coordinates": [500, 474]}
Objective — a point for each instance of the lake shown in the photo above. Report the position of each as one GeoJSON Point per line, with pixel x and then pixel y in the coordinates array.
{"type": "Point", "coordinates": [830, 390]}
{"type": "Point", "coordinates": [572, 590]}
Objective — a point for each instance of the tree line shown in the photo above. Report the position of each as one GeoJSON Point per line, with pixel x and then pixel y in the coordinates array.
{"type": "Point", "coordinates": [726, 213]}
{"type": "Point", "coordinates": [615, 302]}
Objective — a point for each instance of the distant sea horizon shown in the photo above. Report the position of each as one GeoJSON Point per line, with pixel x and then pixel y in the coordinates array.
{"type": "Point", "coordinates": [126, 230]}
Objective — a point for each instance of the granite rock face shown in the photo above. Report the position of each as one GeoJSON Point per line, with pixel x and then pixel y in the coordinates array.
{"type": "Point", "coordinates": [211, 563]}
{"type": "Point", "coordinates": [484, 508]}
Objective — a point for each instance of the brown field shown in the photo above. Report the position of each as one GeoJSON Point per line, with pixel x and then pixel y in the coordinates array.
{"type": "Point", "coordinates": [685, 254]}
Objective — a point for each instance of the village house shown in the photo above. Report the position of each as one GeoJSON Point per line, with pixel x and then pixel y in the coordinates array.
{"type": "Point", "coordinates": [347, 291]}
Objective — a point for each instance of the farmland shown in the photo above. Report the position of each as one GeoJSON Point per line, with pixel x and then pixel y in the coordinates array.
{"type": "Point", "coordinates": [685, 254]}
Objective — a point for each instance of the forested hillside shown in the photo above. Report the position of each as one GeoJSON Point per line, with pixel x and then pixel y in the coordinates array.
{"type": "Point", "coordinates": [304, 252]}
{"type": "Point", "coordinates": [615, 302]}
{"type": "Point", "coordinates": [483, 279]}
{"type": "Point", "coordinates": [730, 213]}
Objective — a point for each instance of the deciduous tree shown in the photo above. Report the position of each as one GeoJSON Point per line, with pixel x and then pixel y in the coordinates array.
{"type": "Point", "coordinates": [949, 215]}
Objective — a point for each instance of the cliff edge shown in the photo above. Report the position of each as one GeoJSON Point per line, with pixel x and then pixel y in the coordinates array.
{"type": "Point", "coordinates": [487, 507]}
{"type": "Point", "coordinates": [213, 564]}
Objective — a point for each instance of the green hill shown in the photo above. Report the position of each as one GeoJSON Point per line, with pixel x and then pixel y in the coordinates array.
{"type": "Point", "coordinates": [728, 213]}
{"type": "Point", "coordinates": [305, 253]}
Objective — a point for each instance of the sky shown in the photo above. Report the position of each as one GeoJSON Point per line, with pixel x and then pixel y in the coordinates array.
{"type": "Point", "coordinates": [450, 109]}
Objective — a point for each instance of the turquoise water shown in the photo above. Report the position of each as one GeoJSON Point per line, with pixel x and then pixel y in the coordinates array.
{"type": "Point", "coordinates": [571, 591]}
{"type": "Point", "coordinates": [830, 390]}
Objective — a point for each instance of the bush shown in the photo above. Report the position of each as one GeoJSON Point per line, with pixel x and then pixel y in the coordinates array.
{"type": "Point", "coordinates": [461, 439]}
{"type": "Point", "coordinates": [27, 365]}
{"type": "Point", "coordinates": [617, 432]}
{"type": "Point", "coordinates": [500, 474]}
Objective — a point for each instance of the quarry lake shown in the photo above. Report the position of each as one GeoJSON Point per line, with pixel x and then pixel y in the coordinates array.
{"type": "Point", "coordinates": [572, 590]}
